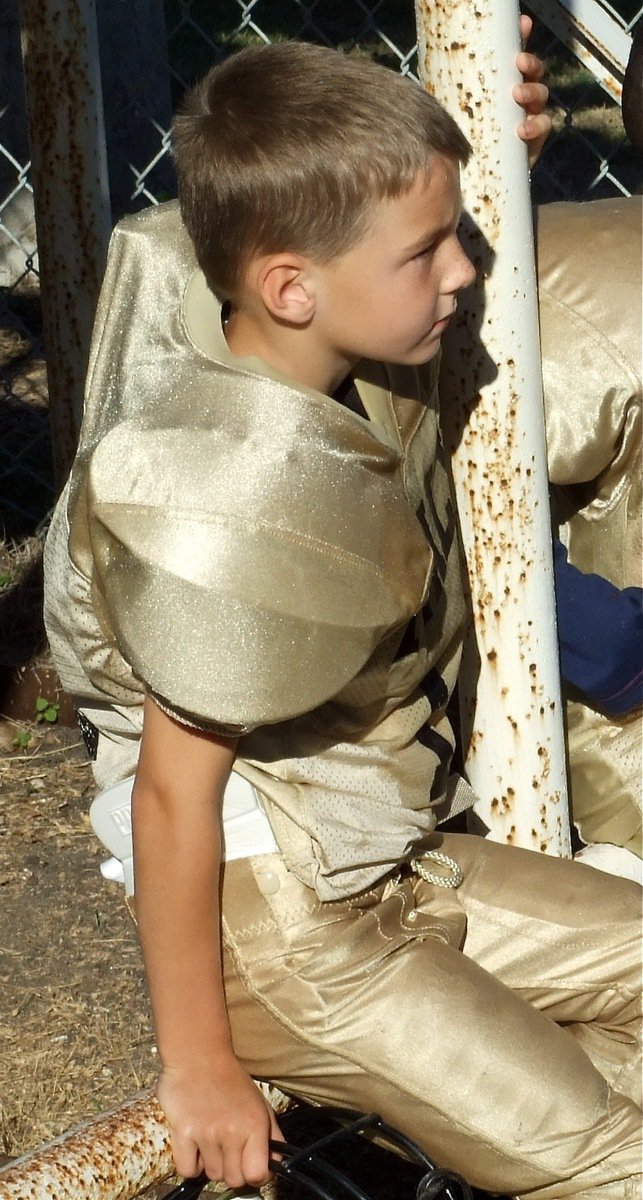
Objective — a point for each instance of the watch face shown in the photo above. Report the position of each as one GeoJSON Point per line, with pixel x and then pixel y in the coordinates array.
{"type": "Point", "coordinates": [331, 1154]}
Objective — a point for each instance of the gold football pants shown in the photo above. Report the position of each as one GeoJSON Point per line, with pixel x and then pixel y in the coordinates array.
{"type": "Point", "coordinates": [498, 1024]}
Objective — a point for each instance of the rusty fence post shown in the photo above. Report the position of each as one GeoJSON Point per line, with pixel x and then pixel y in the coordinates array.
{"type": "Point", "coordinates": [493, 410]}
{"type": "Point", "coordinates": [69, 175]}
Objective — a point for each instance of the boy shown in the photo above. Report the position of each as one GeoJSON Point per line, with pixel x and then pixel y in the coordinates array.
{"type": "Point", "coordinates": [263, 545]}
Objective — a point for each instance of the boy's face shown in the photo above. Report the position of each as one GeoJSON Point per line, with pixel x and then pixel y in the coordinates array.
{"type": "Point", "coordinates": [391, 296]}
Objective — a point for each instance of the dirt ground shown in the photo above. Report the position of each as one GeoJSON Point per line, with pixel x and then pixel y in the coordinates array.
{"type": "Point", "coordinates": [74, 1023]}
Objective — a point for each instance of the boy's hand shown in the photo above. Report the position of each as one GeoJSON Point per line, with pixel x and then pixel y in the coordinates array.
{"type": "Point", "coordinates": [533, 96]}
{"type": "Point", "coordinates": [219, 1123]}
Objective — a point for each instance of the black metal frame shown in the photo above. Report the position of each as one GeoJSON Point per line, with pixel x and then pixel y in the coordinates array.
{"type": "Point", "coordinates": [305, 1165]}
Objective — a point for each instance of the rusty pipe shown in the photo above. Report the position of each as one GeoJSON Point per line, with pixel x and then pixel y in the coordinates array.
{"type": "Point", "coordinates": [493, 413]}
{"type": "Point", "coordinates": [71, 196]}
{"type": "Point", "coordinates": [112, 1157]}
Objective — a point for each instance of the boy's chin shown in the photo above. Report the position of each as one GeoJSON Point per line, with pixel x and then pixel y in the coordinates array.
{"type": "Point", "coordinates": [430, 353]}
{"type": "Point", "coordinates": [419, 356]}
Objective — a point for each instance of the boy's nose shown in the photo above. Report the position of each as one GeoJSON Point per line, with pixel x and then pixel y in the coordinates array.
{"type": "Point", "coordinates": [464, 271]}
{"type": "Point", "coordinates": [459, 271]}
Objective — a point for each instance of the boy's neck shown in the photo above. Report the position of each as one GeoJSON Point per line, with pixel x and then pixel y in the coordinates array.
{"type": "Point", "coordinates": [290, 350]}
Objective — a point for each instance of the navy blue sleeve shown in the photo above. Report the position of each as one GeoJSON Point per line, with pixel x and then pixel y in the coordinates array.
{"type": "Point", "coordinates": [600, 635]}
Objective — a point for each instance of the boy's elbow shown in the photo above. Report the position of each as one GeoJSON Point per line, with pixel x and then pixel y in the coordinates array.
{"type": "Point", "coordinates": [155, 804]}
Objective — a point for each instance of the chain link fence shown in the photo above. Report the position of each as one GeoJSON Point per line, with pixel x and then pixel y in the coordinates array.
{"type": "Point", "coordinates": [588, 156]}
{"type": "Point", "coordinates": [149, 53]}
{"type": "Point", "coordinates": [25, 456]}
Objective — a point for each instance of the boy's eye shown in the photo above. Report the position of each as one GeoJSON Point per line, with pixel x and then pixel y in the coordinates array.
{"type": "Point", "coordinates": [425, 251]}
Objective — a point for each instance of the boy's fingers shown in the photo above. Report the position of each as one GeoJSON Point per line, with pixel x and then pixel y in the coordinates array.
{"type": "Point", "coordinates": [230, 1171]}
{"type": "Point", "coordinates": [535, 131]}
{"type": "Point", "coordinates": [276, 1136]}
{"type": "Point", "coordinates": [532, 96]}
{"type": "Point", "coordinates": [526, 26]}
{"type": "Point", "coordinates": [254, 1162]}
{"type": "Point", "coordinates": [187, 1160]}
{"type": "Point", "coordinates": [535, 127]}
{"type": "Point", "coordinates": [530, 66]}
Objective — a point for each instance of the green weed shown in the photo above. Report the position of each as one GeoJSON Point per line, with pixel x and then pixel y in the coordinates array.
{"type": "Point", "coordinates": [46, 710]}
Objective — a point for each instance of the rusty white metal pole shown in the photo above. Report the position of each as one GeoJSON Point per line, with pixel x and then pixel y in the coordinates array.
{"type": "Point", "coordinates": [493, 411]}
{"type": "Point", "coordinates": [69, 175]}
{"type": "Point", "coordinates": [112, 1157]}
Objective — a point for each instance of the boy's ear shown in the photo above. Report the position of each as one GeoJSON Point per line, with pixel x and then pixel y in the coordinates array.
{"type": "Point", "coordinates": [286, 288]}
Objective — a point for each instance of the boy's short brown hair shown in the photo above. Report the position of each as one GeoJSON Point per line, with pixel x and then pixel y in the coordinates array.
{"type": "Point", "coordinates": [288, 146]}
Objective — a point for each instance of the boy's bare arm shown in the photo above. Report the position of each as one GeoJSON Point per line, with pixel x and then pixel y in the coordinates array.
{"type": "Point", "coordinates": [218, 1118]}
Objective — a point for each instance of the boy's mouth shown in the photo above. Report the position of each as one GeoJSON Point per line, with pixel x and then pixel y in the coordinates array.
{"type": "Point", "coordinates": [442, 323]}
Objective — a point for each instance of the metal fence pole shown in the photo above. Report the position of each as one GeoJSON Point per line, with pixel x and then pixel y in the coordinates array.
{"type": "Point", "coordinates": [69, 174]}
{"type": "Point", "coordinates": [492, 404]}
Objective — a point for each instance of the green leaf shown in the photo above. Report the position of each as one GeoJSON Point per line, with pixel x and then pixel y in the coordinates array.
{"type": "Point", "coordinates": [41, 704]}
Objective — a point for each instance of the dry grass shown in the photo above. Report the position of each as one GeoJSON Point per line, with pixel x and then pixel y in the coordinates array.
{"type": "Point", "coordinates": [24, 370]}
{"type": "Point", "coordinates": [603, 120]}
{"type": "Point", "coordinates": [74, 1022]}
